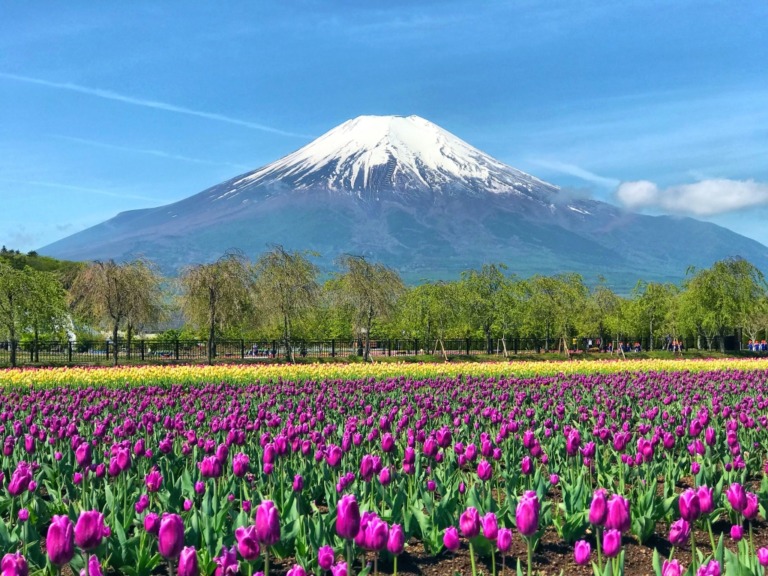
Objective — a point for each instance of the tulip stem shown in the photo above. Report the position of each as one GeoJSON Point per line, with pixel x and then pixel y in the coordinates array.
{"type": "Point", "coordinates": [693, 551]}
{"type": "Point", "coordinates": [493, 563]}
{"type": "Point", "coordinates": [530, 555]}
{"type": "Point", "coordinates": [711, 536]}
{"type": "Point", "coordinates": [599, 548]}
{"type": "Point", "coordinates": [394, 573]}
{"type": "Point", "coordinates": [266, 561]}
{"type": "Point", "coordinates": [349, 558]}
{"type": "Point", "coordinates": [472, 559]}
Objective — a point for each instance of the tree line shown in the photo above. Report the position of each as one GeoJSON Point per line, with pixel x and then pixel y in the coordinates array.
{"type": "Point", "coordinates": [281, 296]}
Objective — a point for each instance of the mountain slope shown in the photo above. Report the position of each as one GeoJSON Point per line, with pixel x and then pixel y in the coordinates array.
{"type": "Point", "coordinates": [408, 193]}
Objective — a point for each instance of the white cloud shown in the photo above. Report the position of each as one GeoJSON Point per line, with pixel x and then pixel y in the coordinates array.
{"type": "Point", "coordinates": [577, 171]}
{"type": "Point", "coordinates": [703, 198]}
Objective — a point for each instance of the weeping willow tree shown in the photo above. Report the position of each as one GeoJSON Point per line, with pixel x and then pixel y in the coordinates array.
{"type": "Point", "coordinates": [117, 296]}
{"type": "Point", "coordinates": [13, 296]}
{"type": "Point", "coordinates": [286, 286]}
{"type": "Point", "coordinates": [216, 296]}
{"type": "Point", "coordinates": [370, 291]}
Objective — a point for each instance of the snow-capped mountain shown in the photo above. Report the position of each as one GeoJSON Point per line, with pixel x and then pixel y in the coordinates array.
{"type": "Point", "coordinates": [406, 192]}
{"type": "Point", "coordinates": [371, 154]}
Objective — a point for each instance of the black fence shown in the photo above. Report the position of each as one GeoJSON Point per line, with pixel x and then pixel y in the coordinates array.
{"type": "Point", "coordinates": [102, 352]}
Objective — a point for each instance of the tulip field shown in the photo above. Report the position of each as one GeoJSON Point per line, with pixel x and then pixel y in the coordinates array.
{"type": "Point", "coordinates": [586, 468]}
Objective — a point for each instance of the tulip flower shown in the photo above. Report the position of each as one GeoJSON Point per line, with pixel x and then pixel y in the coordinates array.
{"type": "Point", "coordinates": [737, 497]}
{"type": "Point", "coordinates": [60, 540]}
{"type": "Point", "coordinates": [598, 509]}
{"type": "Point", "coordinates": [339, 569]}
{"type": "Point", "coordinates": [527, 514]}
{"type": "Point", "coordinates": [376, 534]}
{"type": "Point", "coordinates": [711, 568]}
{"type": "Point", "coordinates": [762, 556]}
{"type": "Point", "coordinates": [227, 563]}
{"type": "Point", "coordinates": [611, 542]}
{"type": "Point", "coordinates": [90, 529]}
{"type": "Point", "coordinates": [347, 517]}
{"type": "Point", "coordinates": [484, 470]}
{"type": "Point", "coordinates": [752, 508]}
{"type": "Point", "coordinates": [396, 540]}
{"type": "Point", "coordinates": [490, 526]}
{"type": "Point", "coordinates": [737, 532]}
{"type": "Point", "coordinates": [325, 557]}
{"type": "Point", "coordinates": [93, 567]}
{"type": "Point", "coordinates": [188, 564]}
{"type": "Point", "coordinates": [618, 514]}
{"type": "Point", "coordinates": [689, 504]}
{"type": "Point", "coordinates": [170, 536]}
{"type": "Point", "coordinates": [504, 540]}
{"type": "Point", "coordinates": [469, 522]}
{"type": "Point", "coordinates": [671, 568]}
{"type": "Point", "coordinates": [296, 571]}
{"type": "Point", "coordinates": [152, 523]}
{"type": "Point", "coordinates": [706, 505]}
{"type": "Point", "coordinates": [679, 532]}
{"type": "Point", "coordinates": [581, 552]}
{"type": "Point", "coordinates": [14, 565]}
{"type": "Point", "coordinates": [451, 538]}
{"type": "Point", "coordinates": [267, 523]}
{"type": "Point", "coordinates": [153, 480]}
{"type": "Point", "coordinates": [241, 464]}
{"type": "Point", "coordinates": [247, 543]}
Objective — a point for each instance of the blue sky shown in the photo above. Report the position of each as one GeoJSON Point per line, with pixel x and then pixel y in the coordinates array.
{"type": "Point", "coordinates": [104, 107]}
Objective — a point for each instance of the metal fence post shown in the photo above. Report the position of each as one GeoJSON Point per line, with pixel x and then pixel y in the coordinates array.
{"type": "Point", "coordinates": [141, 349]}
{"type": "Point", "coordinates": [468, 342]}
{"type": "Point", "coordinates": [176, 349]}
{"type": "Point", "coordinates": [242, 349]}
{"type": "Point", "coordinates": [69, 350]}
{"type": "Point", "coordinates": [333, 348]}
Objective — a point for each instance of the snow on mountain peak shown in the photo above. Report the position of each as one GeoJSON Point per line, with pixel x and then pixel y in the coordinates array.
{"type": "Point", "coordinates": [372, 153]}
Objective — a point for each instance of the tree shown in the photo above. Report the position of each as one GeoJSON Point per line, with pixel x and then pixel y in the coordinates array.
{"type": "Point", "coordinates": [147, 298]}
{"type": "Point", "coordinates": [115, 295]}
{"type": "Point", "coordinates": [46, 310]}
{"type": "Point", "coordinates": [602, 305]}
{"type": "Point", "coordinates": [216, 296]}
{"type": "Point", "coordinates": [13, 296]}
{"type": "Point", "coordinates": [370, 291]}
{"type": "Point", "coordinates": [480, 290]}
{"type": "Point", "coordinates": [652, 302]}
{"type": "Point", "coordinates": [286, 287]}
{"type": "Point", "coordinates": [555, 303]}
{"type": "Point", "coordinates": [721, 297]}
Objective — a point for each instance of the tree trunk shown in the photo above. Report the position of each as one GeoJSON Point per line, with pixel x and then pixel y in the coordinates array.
{"type": "Point", "coordinates": [114, 342]}
{"type": "Point", "coordinates": [13, 345]}
{"type": "Point", "coordinates": [128, 339]}
{"type": "Point", "coordinates": [287, 337]}
{"type": "Point", "coordinates": [367, 354]}
{"type": "Point", "coordinates": [37, 345]}
{"type": "Point", "coordinates": [488, 342]}
{"type": "Point", "coordinates": [212, 325]}
{"type": "Point", "coordinates": [650, 336]}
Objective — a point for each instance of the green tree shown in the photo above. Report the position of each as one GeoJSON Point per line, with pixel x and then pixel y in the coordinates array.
{"type": "Point", "coordinates": [370, 291]}
{"type": "Point", "coordinates": [601, 306]}
{"type": "Point", "coordinates": [286, 288]}
{"type": "Point", "coordinates": [554, 305]}
{"type": "Point", "coordinates": [479, 292]}
{"type": "Point", "coordinates": [115, 295]}
{"type": "Point", "coordinates": [13, 303]}
{"type": "Point", "coordinates": [46, 310]}
{"type": "Point", "coordinates": [721, 297]}
{"type": "Point", "coordinates": [216, 296]}
{"type": "Point", "coordinates": [651, 304]}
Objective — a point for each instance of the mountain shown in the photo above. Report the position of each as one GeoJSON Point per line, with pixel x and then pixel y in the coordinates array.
{"type": "Point", "coordinates": [405, 192]}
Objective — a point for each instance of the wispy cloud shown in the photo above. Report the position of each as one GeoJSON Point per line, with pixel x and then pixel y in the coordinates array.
{"type": "Point", "coordinates": [110, 95]}
{"type": "Point", "coordinates": [73, 188]}
{"type": "Point", "coordinates": [704, 198]}
{"type": "Point", "coordinates": [149, 152]}
{"type": "Point", "coordinates": [577, 171]}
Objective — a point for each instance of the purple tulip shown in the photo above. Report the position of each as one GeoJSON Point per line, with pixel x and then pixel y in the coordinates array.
{"type": "Point", "coordinates": [611, 542]}
{"type": "Point", "coordinates": [296, 571]}
{"type": "Point", "coordinates": [247, 542]}
{"type": "Point", "coordinates": [451, 538]}
{"type": "Point", "coordinates": [188, 565]}
{"type": "Point", "coordinates": [385, 476]}
{"type": "Point", "coordinates": [90, 529]}
{"type": "Point", "coordinates": [504, 540]}
{"type": "Point", "coordinates": [376, 534]}
{"type": "Point", "coordinates": [170, 536]}
{"type": "Point", "coordinates": [706, 505]}
{"type": "Point", "coordinates": [14, 565]}
{"type": "Point", "coordinates": [671, 568]}
{"type": "Point", "coordinates": [84, 455]}
{"type": "Point", "coordinates": [241, 464]}
{"type": "Point", "coordinates": [210, 467]}
{"type": "Point", "coordinates": [484, 470]}
{"type": "Point", "coordinates": [690, 507]}
{"type": "Point", "coordinates": [762, 556]}
{"type": "Point", "coordinates": [737, 497]}
{"type": "Point", "coordinates": [339, 569]}
{"type": "Point", "coordinates": [267, 523]}
{"type": "Point", "coordinates": [526, 466]}
{"type": "Point", "coordinates": [153, 480]}
{"type": "Point", "coordinates": [93, 568]}
{"type": "Point", "coordinates": [737, 532]}
{"type": "Point", "coordinates": [581, 552]}
{"type": "Point", "coordinates": [618, 514]}
{"type": "Point", "coordinates": [226, 563]}
{"type": "Point", "coordinates": [711, 568]}
{"type": "Point", "coordinates": [527, 514]}
{"type": "Point", "coordinates": [469, 522]}
{"type": "Point", "coordinates": [598, 509]}
{"type": "Point", "coordinates": [347, 517]}
{"type": "Point", "coordinates": [326, 557]}
{"type": "Point", "coordinates": [60, 540]}
{"type": "Point", "coordinates": [396, 540]}
{"type": "Point", "coordinates": [23, 515]}
{"type": "Point", "coordinates": [152, 523]}
{"type": "Point", "coordinates": [752, 508]}
{"type": "Point", "coordinates": [679, 532]}
{"type": "Point", "coordinates": [490, 526]}
{"type": "Point", "coordinates": [298, 483]}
